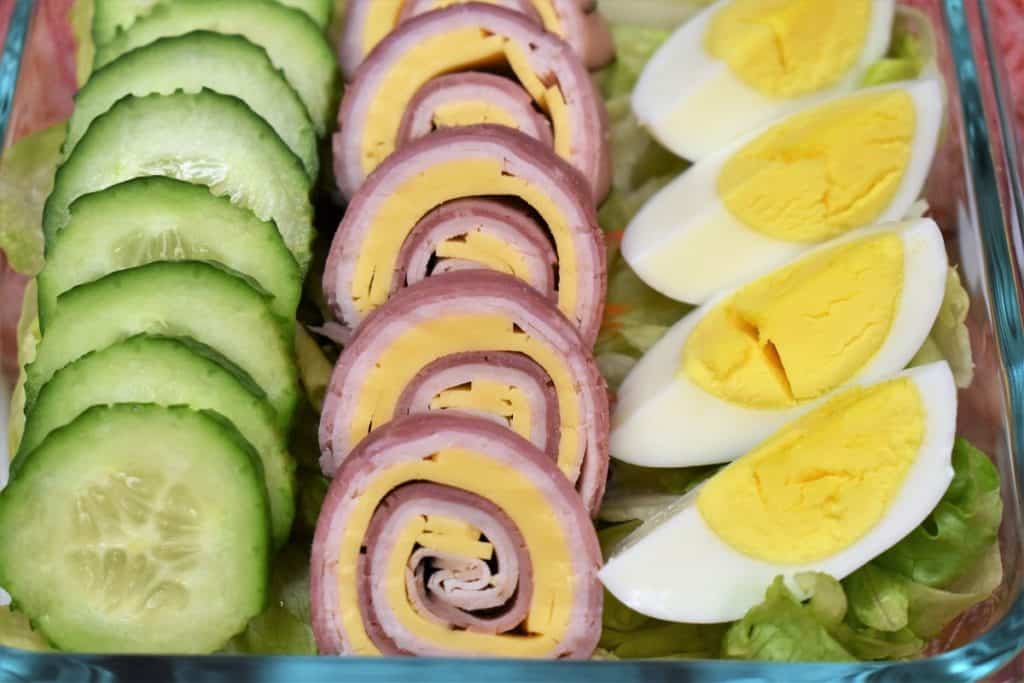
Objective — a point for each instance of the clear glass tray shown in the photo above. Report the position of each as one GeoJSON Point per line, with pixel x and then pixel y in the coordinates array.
{"type": "Point", "coordinates": [977, 197]}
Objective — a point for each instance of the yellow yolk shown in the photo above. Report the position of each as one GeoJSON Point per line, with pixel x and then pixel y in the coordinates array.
{"type": "Point", "coordinates": [474, 177]}
{"type": "Point", "coordinates": [452, 536]}
{"type": "Point", "coordinates": [822, 483]}
{"type": "Point", "coordinates": [508, 403]}
{"type": "Point", "coordinates": [398, 364]}
{"type": "Point", "coordinates": [824, 171]}
{"type": "Point", "coordinates": [452, 114]}
{"type": "Point", "coordinates": [802, 331]}
{"type": "Point", "coordinates": [487, 250]}
{"type": "Point", "coordinates": [457, 50]}
{"type": "Point", "coordinates": [787, 48]}
{"type": "Point", "coordinates": [383, 17]}
{"type": "Point", "coordinates": [549, 615]}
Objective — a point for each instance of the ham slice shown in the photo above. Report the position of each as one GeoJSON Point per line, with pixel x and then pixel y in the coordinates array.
{"type": "Point", "coordinates": [578, 21]}
{"type": "Point", "coordinates": [360, 276]}
{"type": "Point", "coordinates": [362, 557]}
{"type": "Point", "coordinates": [386, 83]}
{"type": "Point", "coordinates": [430, 336]}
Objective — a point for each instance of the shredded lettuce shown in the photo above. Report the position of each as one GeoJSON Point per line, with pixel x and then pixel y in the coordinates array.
{"type": "Point", "coordinates": [634, 46]}
{"type": "Point", "coordinates": [26, 176]}
{"type": "Point", "coordinates": [283, 628]}
{"type": "Point", "coordinates": [665, 14]}
{"type": "Point", "coordinates": [638, 493]}
{"type": "Point", "coordinates": [17, 633]}
{"type": "Point", "coordinates": [961, 529]}
{"type": "Point", "coordinates": [949, 339]}
{"type": "Point", "coordinates": [28, 335]}
{"type": "Point", "coordinates": [904, 61]}
{"type": "Point", "coordinates": [314, 368]}
{"type": "Point", "coordinates": [80, 18]}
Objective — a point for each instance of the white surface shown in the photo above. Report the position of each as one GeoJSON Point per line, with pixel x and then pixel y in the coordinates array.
{"type": "Point", "coordinates": [676, 568]}
{"type": "Point", "coordinates": [663, 419]}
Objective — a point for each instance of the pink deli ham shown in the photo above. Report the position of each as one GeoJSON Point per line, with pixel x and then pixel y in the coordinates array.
{"type": "Point", "coordinates": [460, 38]}
{"type": "Point", "coordinates": [476, 342]}
{"type": "Point", "coordinates": [446, 535]}
{"type": "Point", "coordinates": [474, 197]}
{"type": "Point", "coordinates": [577, 21]}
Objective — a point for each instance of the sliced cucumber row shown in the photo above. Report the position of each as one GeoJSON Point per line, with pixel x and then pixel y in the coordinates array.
{"type": "Point", "coordinates": [295, 43]}
{"type": "Point", "coordinates": [137, 529]}
{"type": "Point", "coordinates": [111, 16]}
{"type": "Point", "coordinates": [152, 219]}
{"type": "Point", "coordinates": [152, 478]}
{"type": "Point", "coordinates": [168, 372]}
{"type": "Point", "coordinates": [226, 64]}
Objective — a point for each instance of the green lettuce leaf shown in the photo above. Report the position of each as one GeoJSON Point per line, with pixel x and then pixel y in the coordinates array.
{"type": "Point", "coordinates": [949, 339]}
{"type": "Point", "coordinates": [17, 633]}
{"type": "Point", "coordinates": [782, 629]}
{"type": "Point", "coordinates": [634, 46]}
{"type": "Point", "coordinates": [314, 367]}
{"type": "Point", "coordinates": [878, 599]}
{"type": "Point", "coordinates": [26, 176]}
{"type": "Point", "coordinates": [903, 62]}
{"type": "Point", "coordinates": [961, 529]}
{"type": "Point", "coordinates": [283, 628]}
{"type": "Point", "coordinates": [29, 336]}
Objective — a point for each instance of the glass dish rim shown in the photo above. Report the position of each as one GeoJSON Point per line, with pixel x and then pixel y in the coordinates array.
{"type": "Point", "coordinates": [972, 661]}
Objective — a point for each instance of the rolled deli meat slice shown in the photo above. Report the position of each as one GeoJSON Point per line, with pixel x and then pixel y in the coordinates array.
{"type": "Point", "coordinates": [367, 22]}
{"type": "Point", "coordinates": [470, 38]}
{"type": "Point", "coordinates": [476, 342]}
{"type": "Point", "coordinates": [476, 197]}
{"type": "Point", "coordinates": [449, 535]}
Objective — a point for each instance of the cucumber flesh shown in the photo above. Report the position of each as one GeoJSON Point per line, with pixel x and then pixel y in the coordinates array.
{"type": "Point", "coordinates": [168, 372]}
{"type": "Point", "coordinates": [230, 65]}
{"type": "Point", "coordinates": [184, 299]}
{"type": "Point", "coordinates": [138, 529]}
{"type": "Point", "coordinates": [294, 42]}
{"type": "Point", "coordinates": [152, 219]}
{"type": "Point", "coordinates": [205, 138]}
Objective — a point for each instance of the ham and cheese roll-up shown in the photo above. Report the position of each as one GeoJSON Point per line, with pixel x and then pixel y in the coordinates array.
{"type": "Point", "coordinates": [577, 21]}
{"type": "Point", "coordinates": [483, 197]}
{"type": "Point", "coordinates": [460, 38]}
{"type": "Point", "coordinates": [480, 342]}
{"type": "Point", "coordinates": [449, 535]}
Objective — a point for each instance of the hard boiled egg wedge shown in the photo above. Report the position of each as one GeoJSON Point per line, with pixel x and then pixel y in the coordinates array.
{"type": "Point", "coordinates": [828, 493]}
{"type": "Point", "coordinates": [733, 371]}
{"type": "Point", "coordinates": [742, 63]}
{"type": "Point", "coordinates": [854, 161]}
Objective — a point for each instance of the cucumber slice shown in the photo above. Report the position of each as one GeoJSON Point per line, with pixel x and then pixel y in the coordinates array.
{"type": "Point", "coordinates": [138, 529]}
{"type": "Point", "coordinates": [110, 16]}
{"type": "Point", "coordinates": [207, 139]}
{"type": "Point", "coordinates": [168, 372]}
{"type": "Point", "coordinates": [295, 43]}
{"type": "Point", "coordinates": [174, 299]}
{"type": "Point", "coordinates": [230, 65]}
{"type": "Point", "coordinates": [160, 219]}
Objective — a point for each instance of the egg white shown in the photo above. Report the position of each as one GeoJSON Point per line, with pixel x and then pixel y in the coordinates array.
{"type": "Point", "coordinates": [693, 104]}
{"type": "Point", "coordinates": [662, 418]}
{"type": "Point", "coordinates": [685, 243]}
{"type": "Point", "coordinates": [676, 568]}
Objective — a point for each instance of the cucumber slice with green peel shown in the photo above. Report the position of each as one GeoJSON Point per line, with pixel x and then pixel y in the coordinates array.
{"type": "Point", "coordinates": [206, 139]}
{"type": "Point", "coordinates": [167, 372]}
{"type": "Point", "coordinates": [230, 65]}
{"type": "Point", "coordinates": [153, 219]}
{"type": "Point", "coordinates": [138, 528]}
{"type": "Point", "coordinates": [184, 299]}
{"type": "Point", "coordinates": [295, 43]}
{"type": "Point", "coordinates": [110, 16]}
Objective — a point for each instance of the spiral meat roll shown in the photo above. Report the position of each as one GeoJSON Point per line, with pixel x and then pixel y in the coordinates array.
{"type": "Point", "coordinates": [450, 535]}
{"type": "Point", "coordinates": [476, 342]}
{"type": "Point", "coordinates": [392, 97]}
{"type": "Point", "coordinates": [576, 21]}
{"type": "Point", "coordinates": [479, 197]}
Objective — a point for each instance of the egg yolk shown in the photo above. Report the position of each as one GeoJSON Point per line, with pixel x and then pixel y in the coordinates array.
{"type": "Point", "coordinates": [822, 483]}
{"type": "Point", "coordinates": [824, 171]}
{"type": "Point", "coordinates": [802, 331]}
{"type": "Point", "coordinates": [787, 48]}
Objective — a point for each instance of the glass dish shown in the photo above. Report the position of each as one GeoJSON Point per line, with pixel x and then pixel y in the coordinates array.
{"type": "Point", "coordinates": [977, 197]}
